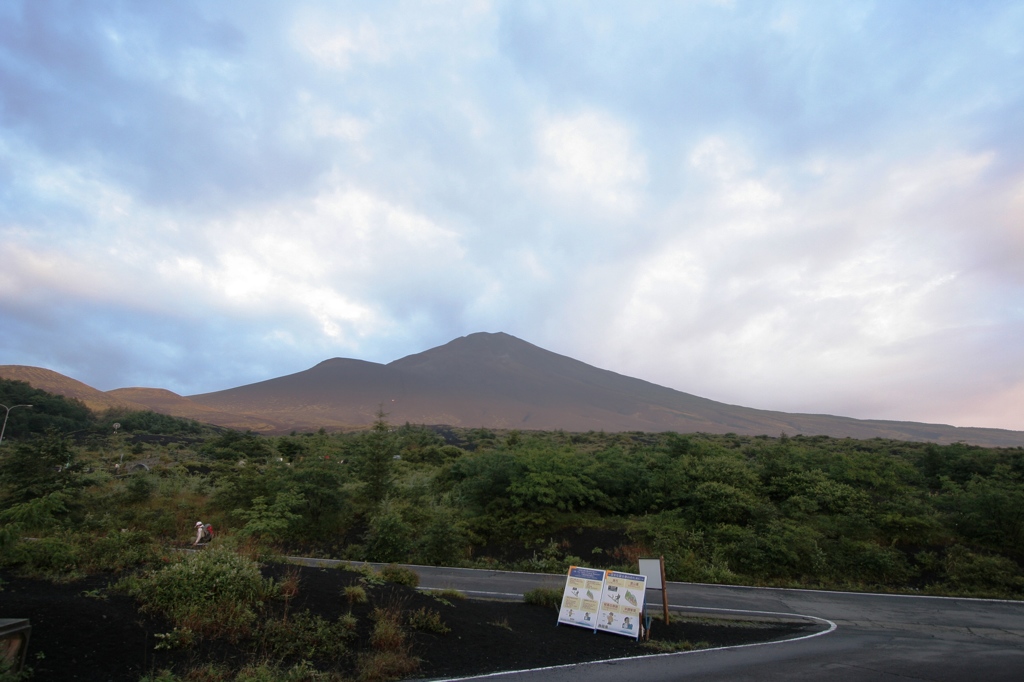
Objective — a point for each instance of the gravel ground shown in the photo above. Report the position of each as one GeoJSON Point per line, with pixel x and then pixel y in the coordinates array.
{"type": "Point", "coordinates": [87, 631]}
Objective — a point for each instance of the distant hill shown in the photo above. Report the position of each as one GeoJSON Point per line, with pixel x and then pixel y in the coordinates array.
{"type": "Point", "coordinates": [58, 384]}
{"type": "Point", "coordinates": [167, 402]}
{"type": "Point", "coordinates": [499, 381]}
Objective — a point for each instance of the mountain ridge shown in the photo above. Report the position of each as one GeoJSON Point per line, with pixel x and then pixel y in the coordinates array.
{"type": "Point", "coordinates": [495, 380]}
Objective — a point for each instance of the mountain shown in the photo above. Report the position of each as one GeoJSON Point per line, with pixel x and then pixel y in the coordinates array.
{"type": "Point", "coordinates": [136, 399]}
{"type": "Point", "coordinates": [58, 384]}
{"type": "Point", "coordinates": [499, 381]}
{"type": "Point", "coordinates": [167, 402]}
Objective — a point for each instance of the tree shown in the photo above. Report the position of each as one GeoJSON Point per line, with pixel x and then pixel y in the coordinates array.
{"type": "Point", "coordinates": [36, 469]}
{"type": "Point", "coordinates": [271, 520]}
{"type": "Point", "coordinates": [48, 411]}
{"type": "Point", "coordinates": [388, 537]}
{"type": "Point", "coordinates": [377, 460]}
{"type": "Point", "coordinates": [443, 541]}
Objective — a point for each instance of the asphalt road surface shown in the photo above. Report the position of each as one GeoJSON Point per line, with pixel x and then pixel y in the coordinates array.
{"type": "Point", "coordinates": [864, 637]}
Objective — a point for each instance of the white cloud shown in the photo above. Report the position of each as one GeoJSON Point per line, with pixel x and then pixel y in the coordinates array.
{"type": "Point", "coordinates": [337, 46]}
{"type": "Point", "coordinates": [342, 39]}
{"type": "Point", "coordinates": [773, 205]}
{"type": "Point", "coordinates": [590, 160]}
{"type": "Point", "coordinates": [813, 300]}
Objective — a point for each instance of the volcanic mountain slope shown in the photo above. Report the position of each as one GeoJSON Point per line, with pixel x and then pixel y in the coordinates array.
{"type": "Point", "coordinates": [486, 380]}
{"type": "Point", "coordinates": [499, 381]}
{"type": "Point", "coordinates": [167, 402]}
{"type": "Point", "coordinates": [58, 384]}
{"type": "Point", "coordinates": [134, 399]}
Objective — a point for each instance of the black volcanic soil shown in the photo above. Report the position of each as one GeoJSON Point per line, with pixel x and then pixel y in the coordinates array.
{"type": "Point", "coordinates": [86, 631]}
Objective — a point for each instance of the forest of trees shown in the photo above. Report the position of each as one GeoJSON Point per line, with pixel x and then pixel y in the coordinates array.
{"type": "Point", "coordinates": [781, 510]}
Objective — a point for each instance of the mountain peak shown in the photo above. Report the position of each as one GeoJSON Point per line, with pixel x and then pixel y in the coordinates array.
{"type": "Point", "coordinates": [493, 380]}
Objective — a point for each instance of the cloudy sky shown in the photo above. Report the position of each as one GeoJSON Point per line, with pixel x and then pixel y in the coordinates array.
{"type": "Point", "coordinates": [802, 206]}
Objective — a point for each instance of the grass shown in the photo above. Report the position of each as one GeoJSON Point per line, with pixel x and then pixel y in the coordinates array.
{"type": "Point", "coordinates": [390, 657]}
{"type": "Point", "coordinates": [67, 556]}
{"type": "Point", "coordinates": [400, 575]}
{"type": "Point", "coordinates": [383, 666]}
{"type": "Point", "coordinates": [666, 647]}
{"type": "Point", "coordinates": [544, 596]}
{"type": "Point", "coordinates": [427, 620]}
{"type": "Point", "coordinates": [212, 593]}
{"type": "Point", "coordinates": [307, 636]}
{"type": "Point", "coordinates": [501, 623]}
{"type": "Point", "coordinates": [387, 634]}
{"type": "Point", "coordinates": [258, 672]}
{"type": "Point", "coordinates": [354, 594]}
{"type": "Point", "coordinates": [444, 596]}
{"type": "Point", "coordinates": [448, 593]}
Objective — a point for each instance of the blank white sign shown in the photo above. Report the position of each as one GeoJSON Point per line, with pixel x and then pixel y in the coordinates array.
{"type": "Point", "coordinates": [652, 569]}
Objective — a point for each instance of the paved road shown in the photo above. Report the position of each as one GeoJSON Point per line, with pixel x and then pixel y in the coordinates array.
{"type": "Point", "coordinates": [876, 637]}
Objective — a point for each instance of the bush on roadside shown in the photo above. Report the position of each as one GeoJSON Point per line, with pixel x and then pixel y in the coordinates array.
{"type": "Point", "coordinates": [400, 575]}
{"type": "Point", "coordinates": [390, 657]}
{"type": "Point", "coordinates": [306, 636]}
{"type": "Point", "coordinates": [66, 556]}
{"type": "Point", "coordinates": [427, 620]}
{"type": "Point", "coordinates": [213, 592]}
{"type": "Point", "coordinates": [544, 596]}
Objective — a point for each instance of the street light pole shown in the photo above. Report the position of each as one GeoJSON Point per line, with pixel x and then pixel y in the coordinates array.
{"type": "Point", "coordinates": [6, 415]}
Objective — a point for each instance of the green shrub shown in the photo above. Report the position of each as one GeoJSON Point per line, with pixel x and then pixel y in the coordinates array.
{"type": "Point", "coordinates": [53, 557]}
{"type": "Point", "coordinates": [400, 575]}
{"type": "Point", "coordinates": [368, 576]}
{"type": "Point", "coordinates": [36, 514]}
{"type": "Point", "coordinates": [272, 520]}
{"type": "Point", "coordinates": [446, 594]}
{"type": "Point", "coordinates": [390, 658]}
{"type": "Point", "coordinates": [387, 634]}
{"type": "Point", "coordinates": [544, 596]}
{"type": "Point", "coordinates": [384, 666]}
{"type": "Point", "coordinates": [307, 636]}
{"type": "Point", "coordinates": [302, 671]}
{"type": "Point", "coordinates": [213, 592]}
{"type": "Point", "coordinates": [67, 556]}
{"type": "Point", "coordinates": [354, 594]}
{"type": "Point", "coordinates": [979, 573]}
{"type": "Point", "coordinates": [389, 537]}
{"type": "Point", "coordinates": [427, 620]}
{"type": "Point", "coordinates": [118, 551]}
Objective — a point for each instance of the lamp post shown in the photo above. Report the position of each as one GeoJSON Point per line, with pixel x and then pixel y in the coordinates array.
{"type": "Point", "coordinates": [6, 415]}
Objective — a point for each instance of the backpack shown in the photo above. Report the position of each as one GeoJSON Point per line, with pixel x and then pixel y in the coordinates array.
{"type": "Point", "coordinates": [208, 531]}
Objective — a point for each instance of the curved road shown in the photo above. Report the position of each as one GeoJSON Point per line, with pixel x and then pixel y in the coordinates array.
{"type": "Point", "coordinates": [877, 637]}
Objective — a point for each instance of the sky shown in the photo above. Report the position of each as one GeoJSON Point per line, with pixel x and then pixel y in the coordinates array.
{"type": "Point", "coordinates": [798, 206]}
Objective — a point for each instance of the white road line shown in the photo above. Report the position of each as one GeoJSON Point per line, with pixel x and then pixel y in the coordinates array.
{"type": "Point", "coordinates": [832, 627]}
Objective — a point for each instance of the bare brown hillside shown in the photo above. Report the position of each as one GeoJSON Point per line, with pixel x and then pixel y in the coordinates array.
{"type": "Point", "coordinates": [58, 384]}
{"type": "Point", "coordinates": [167, 402]}
{"type": "Point", "coordinates": [499, 381]}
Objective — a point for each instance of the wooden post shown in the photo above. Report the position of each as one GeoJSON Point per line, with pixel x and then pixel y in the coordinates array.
{"type": "Point", "coordinates": [664, 589]}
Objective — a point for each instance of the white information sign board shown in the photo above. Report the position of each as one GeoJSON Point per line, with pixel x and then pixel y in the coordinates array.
{"type": "Point", "coordinates": [580, 597]}
{"type": "Point", "coordinates": [652, 569]}
{"type": "Point", "coordinates": [622, 603]}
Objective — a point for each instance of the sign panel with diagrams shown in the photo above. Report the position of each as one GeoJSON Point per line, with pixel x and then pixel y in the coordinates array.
{"type": "Point", "coordinates": [580, 597]}
{"type": "Point", "coordinates": [622, 603]}
{"type": "Point", "coordinates": [610, 601]}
